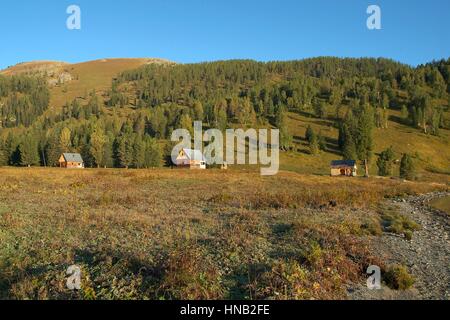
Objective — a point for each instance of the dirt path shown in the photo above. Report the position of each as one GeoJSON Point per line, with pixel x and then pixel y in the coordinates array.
{"type": "Point", "coordinates": [427, 255]}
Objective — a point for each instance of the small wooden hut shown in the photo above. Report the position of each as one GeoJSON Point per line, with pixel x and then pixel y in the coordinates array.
{"type": "Point", "coordinates": [345, 168]}
{"type": "Point", "coordinates": [71, 161]}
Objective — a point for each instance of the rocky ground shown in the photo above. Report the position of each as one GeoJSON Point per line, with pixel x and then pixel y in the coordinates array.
{"type": "Point", "coordinates": [427, 255]}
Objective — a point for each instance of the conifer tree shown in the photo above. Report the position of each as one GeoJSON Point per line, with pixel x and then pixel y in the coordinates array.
{"type": "Point", "coordinates": [152, 157]}
{"type": "Point", "coordinates": [28, 151]}
{"type": "Point", "coordinates": [97, 146]}
{"type": "Point", "coordinates": [314, 145]}
{"type": "Point", "coordinates": [281, 123]}
{"type": "Point", "coordinates": [3, 155]}
{"type": "Point", "coordinates": [65, 140]}
{"type": "Point", "coordinates": [11, 149]}
{"type": "Point", "coordinates": [186, 123]}
{"type": "Point", "coordinates": [407, 167]}
{"type": "Point", "coordinates": [198, 111]}
{"type": "Point", "coordinates": [221, 119]}
{"type": "Point", "coordinates": [385, 162]}
{"type": "Point", "coordinates": [245, 112]}
{"type": "Point", "coordinates": [309, 133]}
{"type": "Point", "coordinates": [363, 136]}
{"type": "Point", "coordinates": [138, 152]}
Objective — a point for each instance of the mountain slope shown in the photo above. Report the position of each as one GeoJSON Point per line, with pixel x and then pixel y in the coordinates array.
{"type": "Point", "coordinates": [34, 68]}
{"type": "Point", "coordinates": [298, 85]}
{"type": "Point", "coordinates": [84, 77]}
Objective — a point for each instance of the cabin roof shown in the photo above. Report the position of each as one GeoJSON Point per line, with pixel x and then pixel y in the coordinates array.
{"type": "Point", "coordinates": [73, 157]}
{"type": "Point", "coordinates": [343, 163]}
{"type": "Point", "coordinates": [195, 155]}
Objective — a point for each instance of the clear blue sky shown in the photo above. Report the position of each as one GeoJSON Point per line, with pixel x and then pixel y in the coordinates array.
{"type": "Point", "coordinates": [412, 32]}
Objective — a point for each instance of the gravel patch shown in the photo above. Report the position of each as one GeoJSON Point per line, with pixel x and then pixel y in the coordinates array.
{"type": "Point", "coordinates": [427, 255]}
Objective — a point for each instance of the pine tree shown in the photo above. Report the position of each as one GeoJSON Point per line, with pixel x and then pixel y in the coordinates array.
{"type": "Point", "coordinates": [52, 149]}
{"type": "Point", "coordinates": [28, 151]}
{"type": "Point", "coordinates": [198, 111]}
{"type": "Point", "coordinates": [108, 155]}
{"type": "Point", "coordinates": [435, 123]}
{"type": "Point", "coordinates": [379, 118]}
{"type": "Point", "coordinates": [281, 124]}
{"type": "Point", "coordinates": [363, 136]}
{"type": "Point", "coordinates": [341, 135]}
{"type": "Point", "coordinates": [407, 168]}
{"type": "Point", "coordinates": [138, 152]}
{"type": "Point", "coordinates": [3, 155]}
{"type": "Point", "coordinates": [385, 162]}
{"type": "Point", "coordinates": [124, 147]}
{"type": "Point", "coordinates": [97, 146]}
{"type": "Point", "coordinates": [346, 138]}
{"type": "Point", "coordinates": [349, 150]}
{"type": "Point", "coordinates": [313, 141]}
{"type": "Point", "coordinates": [11, 147]}
{"type": "Point", "coordinates": [309, 133]}
{"type": "Point", "coordinates": [319, 108]}
{"type": "Point", "coordinates": [385, 118]}
{"type": "Point", "coordinates": [152, 153]}
{"type": "Point", "coordinates": [322, 142]}
{"type": "Point", "coordinates": [186, 123]}
{"type": "Point", "coordinates": [65, 140]}
{"type": "Point", "coordinates": [314, 145]}
{"type": "Point", "coordinates": [139, 125]}
{"type": "Point", "coordinates": [221, 119]}
{"type": "Point", "coordinates": [404, 113]}
{"type": "Point", "coordinates": [246, 113]}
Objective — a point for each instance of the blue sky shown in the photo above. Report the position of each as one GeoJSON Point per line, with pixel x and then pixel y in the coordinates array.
{"type": "Point", "coordinates": [412, 32]}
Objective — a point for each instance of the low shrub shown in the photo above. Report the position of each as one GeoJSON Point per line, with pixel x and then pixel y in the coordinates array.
{"type": "Point", "coordinates": [397, 277]}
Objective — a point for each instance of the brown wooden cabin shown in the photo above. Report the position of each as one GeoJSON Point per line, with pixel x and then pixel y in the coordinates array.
{"type": "Point", "coordinates": [191, 159]}
{"type": "Point", "coordinates": [344, 168]}
{"type": "Point", "coordinates": [71, 161]}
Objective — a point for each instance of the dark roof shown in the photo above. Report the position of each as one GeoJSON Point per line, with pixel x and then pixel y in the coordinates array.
{"type": "Point", "coordinates": [343, 163]}
{"type": "Point", "coordinates": [73, 157]}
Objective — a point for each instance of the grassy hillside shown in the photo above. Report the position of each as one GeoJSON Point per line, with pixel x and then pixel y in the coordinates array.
{"type": "Point", "coordinates": [86, 76]}
{"type": "Point", "coordinates": [43, 68]}
{"type": "Point", "coordinates": [94, 75]}
{"type": "Point", "coordinates": [433, 152]}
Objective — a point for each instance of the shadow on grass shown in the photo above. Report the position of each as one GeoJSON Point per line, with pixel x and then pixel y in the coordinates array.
{"type": "Point", "coordinates": [243, 281]}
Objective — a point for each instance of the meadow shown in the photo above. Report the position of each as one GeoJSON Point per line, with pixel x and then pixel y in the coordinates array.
{"type": "Point", "coordinates": [175, 234]}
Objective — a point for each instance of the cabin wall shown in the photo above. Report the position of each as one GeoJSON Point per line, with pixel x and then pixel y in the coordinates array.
{"type": "Point", "coordinates": [335, 172]}
{"type": "Point", "coordinates": [343, 171]}
{"type": "Point", "coordinates": [197, 165]}
{"type": "Point", "coordinates": [71, 165]}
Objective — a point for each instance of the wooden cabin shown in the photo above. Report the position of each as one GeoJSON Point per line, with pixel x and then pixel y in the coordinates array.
{"type": "Point", "coordinates": [344, 168]}
{"type": "Point", "coordinates": [71, 161]}
{"type": "Point", "coordinates": [191, 159]}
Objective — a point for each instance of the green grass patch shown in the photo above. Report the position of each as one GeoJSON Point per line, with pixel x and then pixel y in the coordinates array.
{"type": "Point", "coordinates": [395, 222]}
{"type": "Point", "coordinates": [397, 277]}
{"type": "Point", "coordinates": [442, 204]}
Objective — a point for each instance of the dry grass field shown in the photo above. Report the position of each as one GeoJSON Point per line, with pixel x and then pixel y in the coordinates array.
{"type": "Point", "coordinates": [173, 234]}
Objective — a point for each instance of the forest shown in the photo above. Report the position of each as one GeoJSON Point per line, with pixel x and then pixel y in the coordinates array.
{"type": "Point", "coordinates": [129, 125]}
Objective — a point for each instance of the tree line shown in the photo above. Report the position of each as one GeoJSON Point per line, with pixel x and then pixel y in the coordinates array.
{"type": "Point", "coordinates": [22, 100]}
{"type": "Point", "coordinates": [145, 105]}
